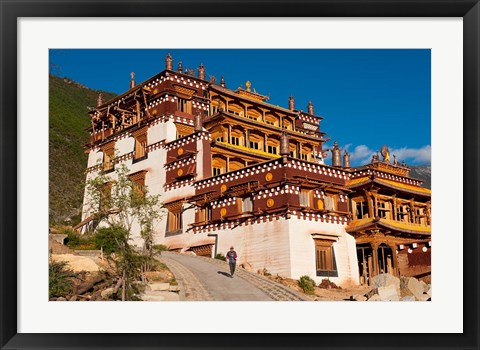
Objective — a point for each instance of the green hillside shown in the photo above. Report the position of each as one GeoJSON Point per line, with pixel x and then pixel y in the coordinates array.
{"type": "Point", "coordinates": [68, 118]}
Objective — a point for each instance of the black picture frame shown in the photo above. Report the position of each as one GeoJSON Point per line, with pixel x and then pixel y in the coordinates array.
{"type": "Point", "coordinates": [11, 10]}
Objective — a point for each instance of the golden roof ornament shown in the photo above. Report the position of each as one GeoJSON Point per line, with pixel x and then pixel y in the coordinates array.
{"type": "Point", "coordinates": [248, 93]}
{"type": "Point", "coordinates": [385, 152]}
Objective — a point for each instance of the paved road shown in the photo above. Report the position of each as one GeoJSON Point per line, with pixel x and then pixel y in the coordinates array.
{"type": "Point", "coordinates": [202, 278]}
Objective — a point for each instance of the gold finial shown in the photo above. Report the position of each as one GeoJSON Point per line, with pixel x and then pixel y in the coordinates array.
{"type": "Point", "coordinates": [385, 153]}
{"type": "Point", "coordinates": [248, 84]}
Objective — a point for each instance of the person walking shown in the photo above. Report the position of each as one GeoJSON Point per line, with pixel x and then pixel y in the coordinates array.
{"type": "Point", "coordinates": [232, 260]}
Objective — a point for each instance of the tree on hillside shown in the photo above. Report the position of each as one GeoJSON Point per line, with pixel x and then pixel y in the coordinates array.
{"type": "Point", "coordinates": [116, 203]}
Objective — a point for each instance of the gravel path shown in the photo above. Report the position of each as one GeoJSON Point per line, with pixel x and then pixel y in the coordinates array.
{"type": "Point", "coordinates": [190, 286]}
{"type": "Point", "coordinates": [203, 278]}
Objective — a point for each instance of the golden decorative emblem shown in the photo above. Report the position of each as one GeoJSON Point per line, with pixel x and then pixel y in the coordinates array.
{"type": "Point", "coordinates": [180, 172]}
{"type": "Point", "coordinates": [223, 188]}
{"type": "Point", "coordinates": [269, 176]}
{"type": "Point", "coordinates": [270, 202]}
{"type": "Point", "coordinates": [385, 153]}
{"type": "Point", "coordinates": [320, 204]}
{"type": "Point", "coordinates": [180, 151]}
{"type": "Point", "coordinates": [223, 211]}
{"type": "Point", "coordinates": [248, 85]}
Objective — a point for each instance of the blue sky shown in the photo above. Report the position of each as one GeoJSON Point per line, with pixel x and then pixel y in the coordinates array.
{"type": "Point", "coordinates": [367, 97]}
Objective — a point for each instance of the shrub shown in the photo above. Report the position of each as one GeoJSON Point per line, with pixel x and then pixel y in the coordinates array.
{"type": "Point", "coordinates": [78, 241]}
{"type": "Point", "coordinates": [307, 284]}
{"type": "Point", "coordinates": [220, 256]}
{"type": "Point", "coordinates": [86, 246]}
{"type": "Point", "coordinates": [109, 238]}
{"type": "Point", "coordinates": [73, 238]}
{"type": "Point", "coordinates": [59, 279]}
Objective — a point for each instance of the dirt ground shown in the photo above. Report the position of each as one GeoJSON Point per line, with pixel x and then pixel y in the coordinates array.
{"type": "Point", "coordinates": [77, 263]}
{"type": "Point", "coordinates": [339, 294]}
{"type": "Point", "coordinates": [57, 248]}
{"type": "Point", "coordinates": [323, 294]}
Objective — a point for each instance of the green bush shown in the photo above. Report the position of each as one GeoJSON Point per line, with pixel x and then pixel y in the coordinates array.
{"type": "Point", "coordinates": [109, 238]}
{"type": "Point", "coordinates": [220, 256]}
{"type": "Point", "coordinates": [73, 238]}
{"type": "Point", "coordinates": [78, 241]}
{"type": "Point", "coordinates": [59, 279]}
{"type": "Point", "coordinates": [86, 246]}
{"type": "Point", "coordinates": [307, 284]}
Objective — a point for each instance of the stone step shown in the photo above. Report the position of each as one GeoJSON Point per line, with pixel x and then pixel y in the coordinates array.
{"type": "Point", "coordinates": [151, 295]}
{"type": "Point", "coordinates": [174, 288]}
{"type": "Point", "coordinates": [158, 286]}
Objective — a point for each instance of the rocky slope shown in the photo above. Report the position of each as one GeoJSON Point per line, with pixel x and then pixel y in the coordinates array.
{"type": "Point", "coordinates": [422, 172]}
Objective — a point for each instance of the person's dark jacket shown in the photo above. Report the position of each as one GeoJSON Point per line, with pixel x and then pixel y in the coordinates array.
{"type": "Point", "coordinates": [232, 256]}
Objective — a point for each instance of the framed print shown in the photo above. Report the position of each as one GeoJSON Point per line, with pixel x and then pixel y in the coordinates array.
{"type": "Point", "coordinates": [447, 32]}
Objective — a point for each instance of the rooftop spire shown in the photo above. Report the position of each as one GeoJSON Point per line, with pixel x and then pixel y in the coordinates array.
{"type": "Point", "coordinates": [169, 62]}
{"type": "Point", "coordinates": [132, 80]}
{"type": "Point", "coordinates": [346, 159]}
{"type": "Point", "coordinates": [291, 103]}
{"type": "Point", "coordinates": [310, 107]}
{"type": "Point", "coordinates": [201, 72]}
{"type": "Point", "coordinates": [336, 161]}
{"type": "Point", "coordinates": [180, 67]}
{"type": "Point", "coordinates": [222, 81]}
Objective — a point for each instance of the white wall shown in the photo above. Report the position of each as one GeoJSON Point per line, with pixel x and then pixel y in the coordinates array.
{"type": "Point", "coordinates": [262, 245]}
{"type": "Point", "coordinates": [95, 157]}
{"type": "Point", "coordinates": [124, 146]}
{"type": "Point", "coordinates": [170, 131]}
{"type": "Point", "coordinates": [302, 248]}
